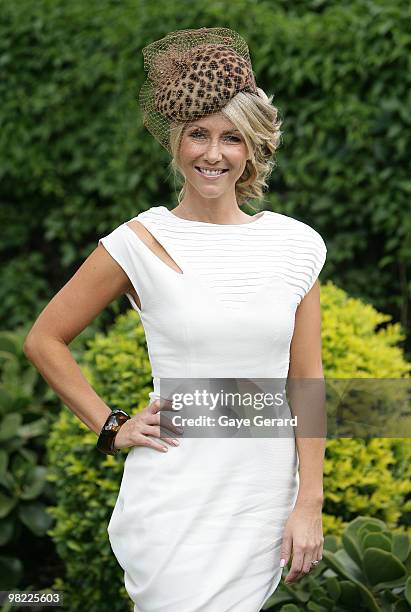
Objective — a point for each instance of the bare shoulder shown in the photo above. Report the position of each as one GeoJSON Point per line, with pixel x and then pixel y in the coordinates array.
{"type": "Point", "coordinates": [305, 349]}
{"type": "Point", "coordinates": [142, 232]}
{"type": "Point", "coordinates": [153, 244]}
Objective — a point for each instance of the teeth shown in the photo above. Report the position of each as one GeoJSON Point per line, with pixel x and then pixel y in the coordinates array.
{"type": "Point", "coordinates": [211, 172]}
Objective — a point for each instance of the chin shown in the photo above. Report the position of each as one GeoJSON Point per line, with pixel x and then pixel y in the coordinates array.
{"type": "Point", "coordinates": [201, 184]}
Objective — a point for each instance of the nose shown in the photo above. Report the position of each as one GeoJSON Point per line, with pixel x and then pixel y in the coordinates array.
{"type": "Point", "coordinates": [212, 152]}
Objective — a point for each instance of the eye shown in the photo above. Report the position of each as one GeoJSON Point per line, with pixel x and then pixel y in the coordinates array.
{"type": "Point", "coordinates": [198, 134]}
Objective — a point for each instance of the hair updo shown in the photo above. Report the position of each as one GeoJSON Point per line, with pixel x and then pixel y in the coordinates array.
{"type": "Point", "coordinates": [256, 118]}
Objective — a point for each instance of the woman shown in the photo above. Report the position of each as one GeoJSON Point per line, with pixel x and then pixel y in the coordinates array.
{"type": "Point", "coordinates": [208, 525]}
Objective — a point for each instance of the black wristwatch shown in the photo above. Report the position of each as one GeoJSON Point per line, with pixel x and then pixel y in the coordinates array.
{"type": "Point", "coordinates": [115, 420]}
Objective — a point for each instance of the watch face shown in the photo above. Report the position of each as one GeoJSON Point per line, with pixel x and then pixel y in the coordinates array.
{"type": "Point", "coordinates": [115, 421]}
{"type": "Point", "coordinates": [112, 426]}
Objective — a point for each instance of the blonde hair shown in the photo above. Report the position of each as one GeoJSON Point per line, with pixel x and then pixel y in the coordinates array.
{"type": "Point", "coordinates": [256, 118]}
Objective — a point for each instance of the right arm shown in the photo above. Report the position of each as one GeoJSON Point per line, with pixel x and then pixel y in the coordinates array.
{"type": "Point", "coordinates": [98, 281]}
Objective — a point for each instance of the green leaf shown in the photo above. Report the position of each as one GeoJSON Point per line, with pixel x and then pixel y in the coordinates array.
{"type": "Point", "coordinates": [407, 592]}
{"type": "Point", "coordinates": [8, 481]}
{"type": "Point", "coordinates": [29, 455]}
{"type": "Point", "coordinates": [371, 523]}
{"type": "Point", "coordinates": [367, 528]}
{"type": "Point", "coordinates": [366, 595]}
{"type": "Point", "coordinates": [9, 425]}
{"type": "Point", "coordinates": [350, 566]}
{"type": "Point", "coordinates": [333, 587]}
{"type": "Point", "coordinates": [352, 547]}
{"type": "Point", "coordinates": [11, 571]}
{"type": "Point", "coordinates": [7, 503]}
{"type": "Point", "coordinates": [277, 598]}
{"type": "Point", "coordinates": [405, 185]}
{"type": "Point", "coordinates": [401, 606]}
{"type": "Point", "coordinates": [401, 545]}
{"type": "Point", "coordinates": [8, 343]}
{"type": "Point", "coordinates": [35, 486]}
{"type": "Point", "coordinates": [380, 566]}
{"type": "Point", "coordinates": [74, 545]}
{"type": "Point", "coordinates": [4, 459]}
{"type": "Point", "coordinates": [326, 602]}
{"type": "Point", "coordinates": [389, 584]}
{"type": "Point", "coordinates": [296, 592]}
{"type": "Point", "coordinates": [377, 540]}
{"type": "Point", "coordinates": [35, 428]}
{"type": "Point", "coordinates": [6, 530]}
{"type": "Point", "coordinates": [314, 607]}
{"type": "Point", "coordinates": [35, 517]}
{"type": "Point", "coordinates": [6, 400]}
{"type": "Point", "coordinates": [349, 593]}
{"type": "Point", "coordinates": [331, 543]}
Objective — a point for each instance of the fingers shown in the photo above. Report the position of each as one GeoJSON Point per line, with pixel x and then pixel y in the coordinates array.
{"type": "Point", "coordinates": [132, 434]}
{"type": "Point", "coordinates": [308, 557]}
{"type": "Point", "coordinates": [296, 567]}
{"type": "Point", "coordinates": [302, 562]}
{"type": "Point", "coordinates": [155, 419]}
{"type": "Point", "coordinates": [140, 429]}
{"type": "Point", "coordinates": [148, 423]}
{"type": "Point", "coordinates": [161, 403]}
{"type": "Point", "coordinates": [153, 430]}
{"type": "Point", "coordinates": [144, 440]}
{"type": "Point", "coordinates": [285, 550]}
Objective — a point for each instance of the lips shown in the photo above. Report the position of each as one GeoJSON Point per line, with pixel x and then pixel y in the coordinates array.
{"type": "Point", "coordinates": [217, 176]}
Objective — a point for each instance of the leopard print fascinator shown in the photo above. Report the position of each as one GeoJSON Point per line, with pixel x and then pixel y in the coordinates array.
{"type": "Point", "coordinates": [190, 74]}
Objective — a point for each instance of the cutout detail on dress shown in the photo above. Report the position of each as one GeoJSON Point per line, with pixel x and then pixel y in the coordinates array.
{"type": "Point", "coordinates": [148, 239]}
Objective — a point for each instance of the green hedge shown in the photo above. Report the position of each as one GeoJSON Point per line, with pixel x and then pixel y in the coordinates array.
{"type": "Point", "coordinates": [28, 407]}
{"type": "Point", "coordinates": [87, 483]}
{"type": "Point", "coordinates": [76, 160]}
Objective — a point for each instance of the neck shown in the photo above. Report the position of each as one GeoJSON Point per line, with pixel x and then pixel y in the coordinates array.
{"type": "Point", "coordinates": [222, 210]}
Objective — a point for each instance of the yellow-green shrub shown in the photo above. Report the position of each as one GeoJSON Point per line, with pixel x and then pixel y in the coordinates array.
{"type": "Point", "coordinates": [371, 477]}
{"type": "Point", "coordinates": [351, 346]}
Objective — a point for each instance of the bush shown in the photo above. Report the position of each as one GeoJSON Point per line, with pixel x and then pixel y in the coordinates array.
{"type": "Point", "coordinates": [357, 340]}
{"type": "Point", "coordinates": [28, 406]}
{"type": "Point", "coordinates": [373, 476]}
{"type": "Point", "coordinates": [24, 491]}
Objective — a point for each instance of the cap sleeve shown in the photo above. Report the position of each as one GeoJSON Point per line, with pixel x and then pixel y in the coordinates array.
{"type": "Point", "coordinates": [116, 244]}
{"type": "Point", "coordinates": [316, 256]}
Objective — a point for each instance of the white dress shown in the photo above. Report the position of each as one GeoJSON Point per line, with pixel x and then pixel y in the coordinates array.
{"type": "Point", "coordinates": [199, 528]}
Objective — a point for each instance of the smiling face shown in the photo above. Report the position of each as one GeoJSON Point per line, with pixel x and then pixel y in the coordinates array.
{"type": "Point", "coordinates": [212, 142]}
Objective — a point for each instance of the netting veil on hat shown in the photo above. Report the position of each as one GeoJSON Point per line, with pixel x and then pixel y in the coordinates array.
{"type": "Point", "coordinates": [190, 74]}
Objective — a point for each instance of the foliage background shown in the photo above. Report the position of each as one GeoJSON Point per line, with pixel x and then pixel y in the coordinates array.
{"type": "Point", "coordinates": [75, 161]}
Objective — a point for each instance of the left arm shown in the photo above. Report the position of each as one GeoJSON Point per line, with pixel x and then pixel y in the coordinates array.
{"type": "Point", "coordinates": [303, 532]}
{"type": "Point", "coordinates": [306, 362]}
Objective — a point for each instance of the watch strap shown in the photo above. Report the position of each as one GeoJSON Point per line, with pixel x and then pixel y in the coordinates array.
{"type": "Point", "coordinates": [114, 421]}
